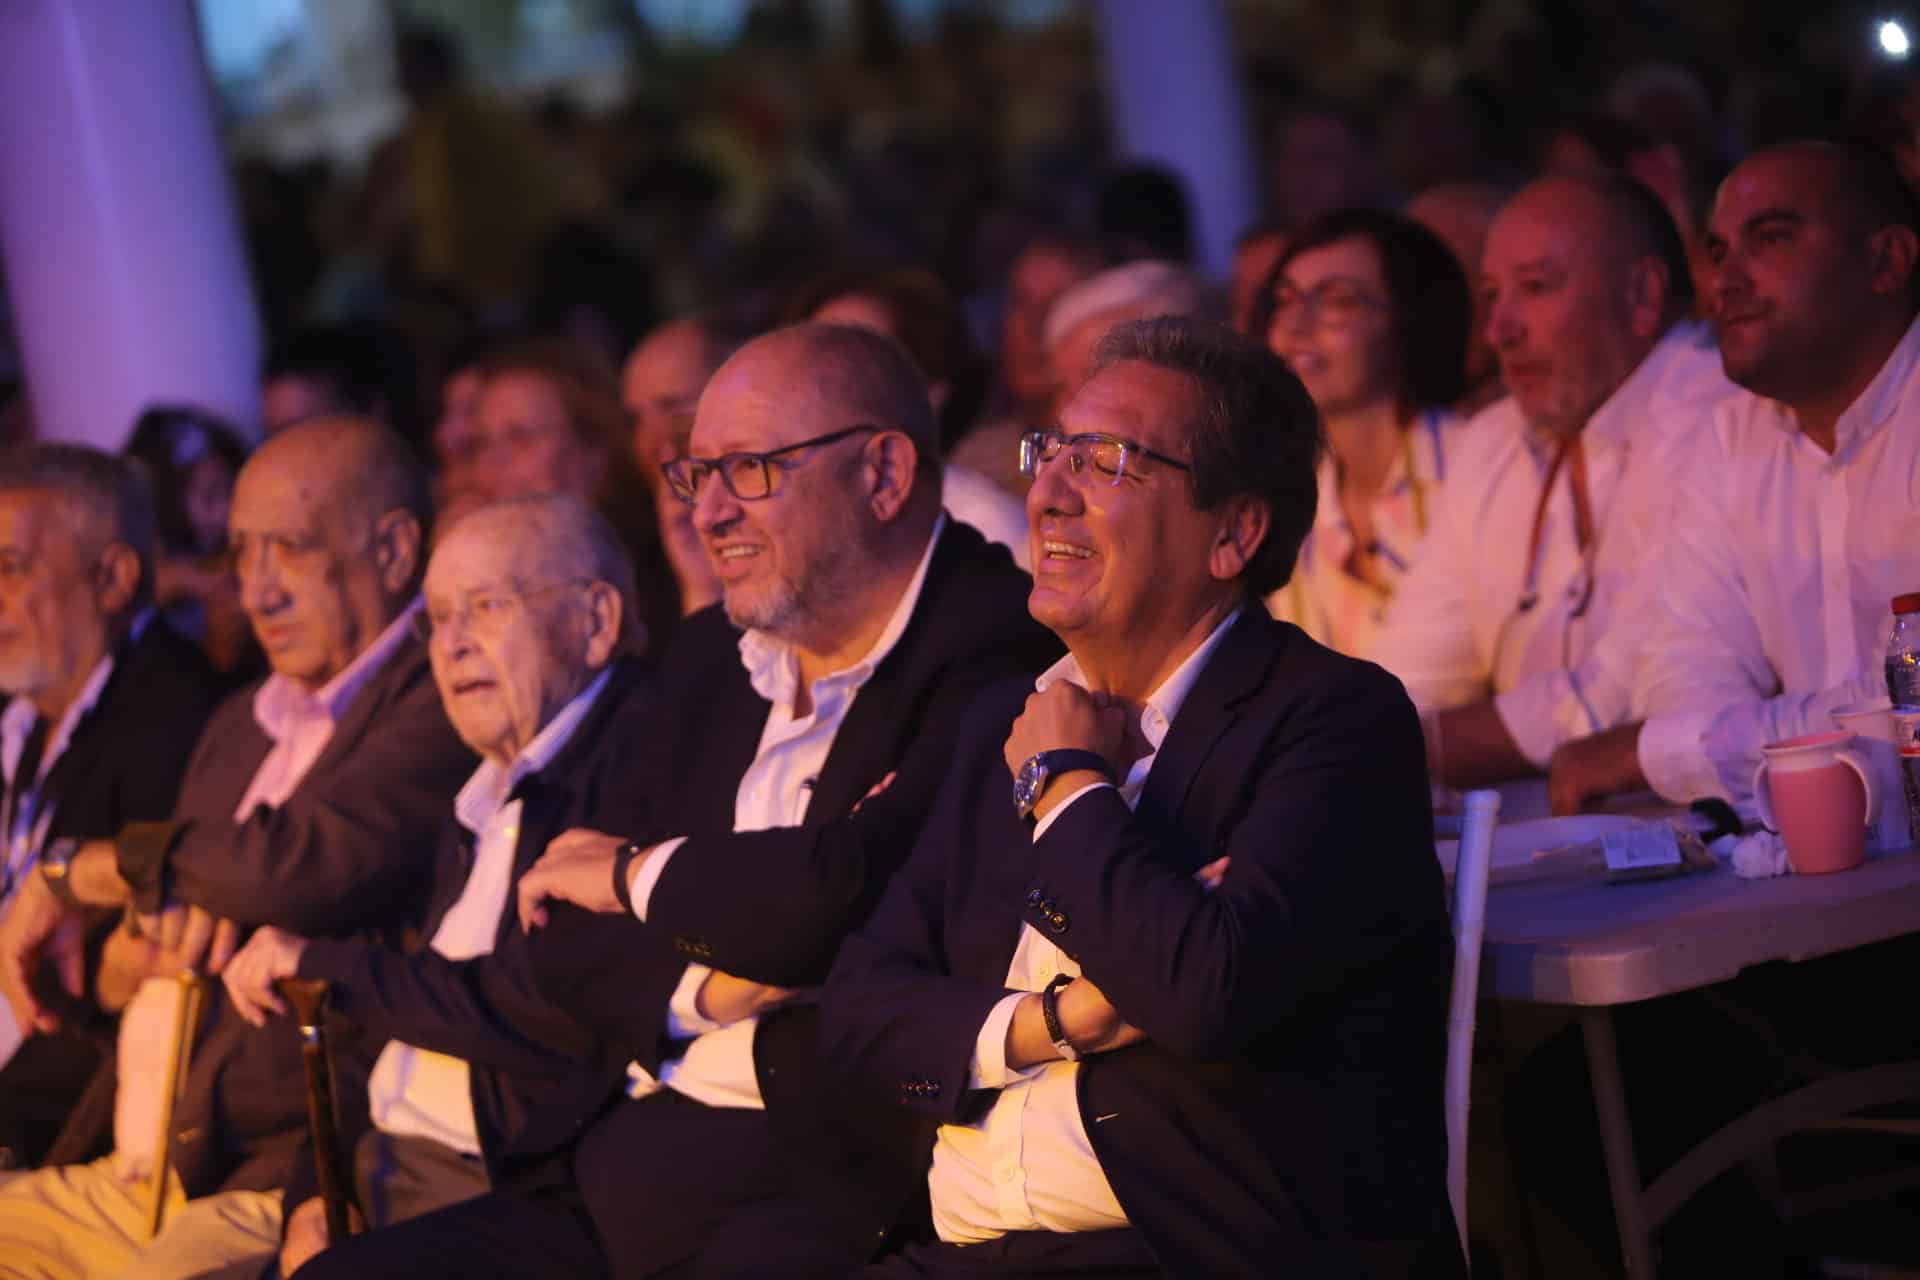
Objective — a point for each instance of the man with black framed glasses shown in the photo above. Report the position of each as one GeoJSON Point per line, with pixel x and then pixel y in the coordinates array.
{"type": "Point", "coordinates": [1165, 978]}
{"type": "Point", "coordinates": [803, 729]}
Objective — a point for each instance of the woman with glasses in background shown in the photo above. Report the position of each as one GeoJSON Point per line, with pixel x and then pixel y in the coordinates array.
{"type": "Point", "coordinates": [1372, 313]}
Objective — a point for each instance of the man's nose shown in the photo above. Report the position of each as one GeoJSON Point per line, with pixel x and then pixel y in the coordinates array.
{"type": "Point", "coordinates": [714, 505]}
{"type": "Point", "coordinates": [1054, 488]}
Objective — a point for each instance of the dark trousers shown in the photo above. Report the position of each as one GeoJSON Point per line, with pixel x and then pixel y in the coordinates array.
{"type": "Point", "coordinates": [676, 1188]}
{"type": "Point", "coordinates": [402, 1178]}
{"type": "Point", "coordinates": [1089, 1255]}
{"type": "Point", "coordinates": [495, 1235]}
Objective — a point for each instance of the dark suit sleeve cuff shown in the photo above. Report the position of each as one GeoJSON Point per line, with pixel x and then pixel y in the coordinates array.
{"type": "Point", "coordinates": [335, 961]}
{"type": "Point", "coordinates": [140, 854]}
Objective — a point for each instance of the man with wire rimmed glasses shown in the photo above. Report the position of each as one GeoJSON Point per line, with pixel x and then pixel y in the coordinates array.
{"type": "Point", "coordinates": [1165, 977]}
{"type": "Point", "coordinates": [803, 728]}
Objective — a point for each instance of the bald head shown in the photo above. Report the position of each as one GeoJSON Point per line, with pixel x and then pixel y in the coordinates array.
{"type": "Point", "coordinates": [847, 374]}
{"type": "Point", "coordinates": [326, 528]}
{"type": "Point", "coordinates": [1581, 277]}
{"type": "Point", "coordinates": [550, 536]}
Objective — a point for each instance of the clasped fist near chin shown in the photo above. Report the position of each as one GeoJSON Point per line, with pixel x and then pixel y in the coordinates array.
{"type": "Point", "coordinates": [1064, 716]}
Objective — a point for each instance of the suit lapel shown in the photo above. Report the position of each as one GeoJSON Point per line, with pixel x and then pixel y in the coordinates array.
{"type": "Point", "coordinates": [1235, 672]}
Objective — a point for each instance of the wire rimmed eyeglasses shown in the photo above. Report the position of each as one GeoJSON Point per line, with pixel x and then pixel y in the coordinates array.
{"type": "Point", "coordinates": [481, 613]}
{"type": "Point", "coordinates": [1113, 457]}
{"type": "Point", "coordinates": [747, 476]}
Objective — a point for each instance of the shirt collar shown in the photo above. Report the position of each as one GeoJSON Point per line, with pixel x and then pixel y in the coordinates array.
{"type": "Point", "coordinates": [1164, 703]}
{"type": "Point", "coordinates": [774, 671]}
{"type": "Point", "coordinates": [17, 721]}
{"type": "Point", "coordinates": [1620, 415]}
{"type": "Point", "coordinates": [487, 790]}
{"type": "Point", "coordinates": [1874, 405]}
{"type": "Point", "coordinates": [280, 703]}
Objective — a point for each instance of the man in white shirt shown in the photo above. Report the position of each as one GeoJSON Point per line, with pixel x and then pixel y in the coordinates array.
{"type": "Point", "coordinates": [1798, 522]}
{"type": "Point", "coordinates": [1555, 507]}
{"type": "Point", "coordinates": [803, 729]}
{"type": "Point", "coordinates": [530, 605]}
{"type": "Point", "coordinates": [1167, 967]}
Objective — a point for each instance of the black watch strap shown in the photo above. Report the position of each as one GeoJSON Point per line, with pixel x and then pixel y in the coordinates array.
{"type": "Point", "coordinates": [1050, 1014]}
{"type": "Point", "coordinates": [623, 859]}
{"type": "Point", "coordinates": [1067, 759]}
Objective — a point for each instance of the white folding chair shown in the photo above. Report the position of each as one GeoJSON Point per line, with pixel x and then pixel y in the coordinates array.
{"type": "Point", "coordinates": [1469, 924]}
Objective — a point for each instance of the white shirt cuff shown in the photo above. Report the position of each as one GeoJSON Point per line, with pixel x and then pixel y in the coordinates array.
{"type": "Point", "coordinates": [1040, 827]}
{"type": "Point", "coordinates": [989, 1069]}
{"type": "Point", "coordinates": [684, 1019]}
{"type": "Point", "coordinates": [647, 874]}
{"type": "Point", "coordinates": [1673, 755]}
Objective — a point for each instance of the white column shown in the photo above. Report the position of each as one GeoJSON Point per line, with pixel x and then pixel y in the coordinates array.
{"type": "Point", "coordinates": [1173, 97]}
{"type": "Point", "coordinates": [124, 261]}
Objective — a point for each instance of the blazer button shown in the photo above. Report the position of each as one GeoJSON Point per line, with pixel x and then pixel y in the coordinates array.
{"type": "Point", "coordinates": [1057, 921]}
{"type": "Point", "coordinates": [1034, 898]}
{"type": "Point", "coordinates": [933, 1088]}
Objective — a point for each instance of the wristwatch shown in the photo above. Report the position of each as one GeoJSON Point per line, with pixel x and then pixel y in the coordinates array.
{"type": "Point", "coordinates": [1030, 783]}
{"type": "Point", "coordinates": [623, 859]}
{"type": "Point", "coordinates": [56, 867]}
{"type": "Point", "coordinates": [1050, 1014]}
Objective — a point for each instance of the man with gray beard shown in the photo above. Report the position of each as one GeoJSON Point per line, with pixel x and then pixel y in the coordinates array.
{"type": "Point", "coordinates": [803, 730]}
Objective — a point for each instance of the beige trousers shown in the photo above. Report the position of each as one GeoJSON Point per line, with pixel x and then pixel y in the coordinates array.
{"type": "Point", "coordinates": [80, 1222]}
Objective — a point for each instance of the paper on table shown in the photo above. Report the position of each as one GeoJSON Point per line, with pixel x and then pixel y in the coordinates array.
{"type": "Point", "coordinates": [1545, 847]}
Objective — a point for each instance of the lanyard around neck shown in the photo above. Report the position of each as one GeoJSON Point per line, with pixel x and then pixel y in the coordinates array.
{"type": "Point", "coordinates": [1573, 459]}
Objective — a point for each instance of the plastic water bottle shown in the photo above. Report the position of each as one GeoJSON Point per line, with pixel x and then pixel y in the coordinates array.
{"type": "Point", "coordinates": [1903, 688]}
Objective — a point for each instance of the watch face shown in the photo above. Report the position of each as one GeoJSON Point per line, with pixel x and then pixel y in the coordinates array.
{"type": "Point", "coordinates": [1028, 784]}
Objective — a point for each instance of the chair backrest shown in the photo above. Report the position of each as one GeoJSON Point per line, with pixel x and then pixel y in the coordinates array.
{"type": "Point", "coordinates": [1469, 925]}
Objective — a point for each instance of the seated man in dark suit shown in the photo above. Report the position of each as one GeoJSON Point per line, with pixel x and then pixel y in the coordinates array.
{"type": "Point", "coordinates": [98, 685]}
{"type": "Point", "coordinates": [1136, 1069]}
{"type": "Point", "coordinates": [534, 640]}
{"type": "Point", "coordinates": [858, 624]}
{"type": "Point", "coordinates": [311, 802]}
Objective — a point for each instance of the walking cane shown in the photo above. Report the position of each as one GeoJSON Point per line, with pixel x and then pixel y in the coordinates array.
{"type": "Point", "coordinates": [186, 1025]}
{"type": "Point", "coordinates": [309, 999]}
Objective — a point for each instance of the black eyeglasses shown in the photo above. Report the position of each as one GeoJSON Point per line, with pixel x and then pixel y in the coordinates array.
{"type": "Point", "coordinates": [748, 476]}
{"type": "Point", "coordinates": [1109, 455]}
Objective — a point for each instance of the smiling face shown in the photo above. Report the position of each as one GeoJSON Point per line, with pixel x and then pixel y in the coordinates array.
{"type": "Point", "coordinates": [514, 633]}
{"type": "Point", "coordinates": [786, 563]}
{"type": "Point", "coordinates": [1124, 564]}
{"type": "Point", "coordinates": [1341, 347]}
{"type": "Point", "coordinates": [1563, 313]}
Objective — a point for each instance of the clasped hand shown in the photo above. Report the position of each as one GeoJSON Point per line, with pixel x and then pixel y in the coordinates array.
{"type": "Point", "coordinates": [270, 955]}
{"type": "Point", "coordinates": [576, 867]}
{"type": "Point", "coordinates": [1064, 716]}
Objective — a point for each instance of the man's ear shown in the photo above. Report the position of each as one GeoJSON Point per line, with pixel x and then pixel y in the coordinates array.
{"type": "Point", "coordinates": [1241, 534]}
{"type": "Point", "coordinates": [396, 550]}
{"type": "Point", "coordinates": [117, 577]}
{"type": "Point", "coordinates": [604, 614]}
{"type": "Point", "coordinates": [1891, 254]}
{"type": "Point", "coordinates": [892, 461]}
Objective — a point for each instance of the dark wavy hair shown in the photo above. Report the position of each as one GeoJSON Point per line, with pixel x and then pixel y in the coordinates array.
{"type": "Point", "coordinates": [1431, 308]}
{"type": "Point", "coordinates": [1257, 433]}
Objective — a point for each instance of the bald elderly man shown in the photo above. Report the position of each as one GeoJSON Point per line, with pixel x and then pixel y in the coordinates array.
{"type": "Point", "coordinates": [1553, 515]}
{"type": "Point", "coordinates": [531, 614]}
{"type": "Point", "coordinates": [803, 729]}
{"type": "Point", "coordinates": [310, 803]}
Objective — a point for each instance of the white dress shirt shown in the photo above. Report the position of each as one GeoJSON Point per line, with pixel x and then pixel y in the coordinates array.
{"type": "Point", "coordinates": [418, 1092]}
{"type": "Point", "coordinates": [717, 1068]}
{"type": "Point", "coordinates": [1459, 628]}
{"type": "Point", "coordinates": [1323, 599]}
{"type": "Point", "coordinates": [1027, 1164]}
{"type": "Point", "coordinates": [1772, 606]}
{"type": "Point", "coordinates": [300, 724]}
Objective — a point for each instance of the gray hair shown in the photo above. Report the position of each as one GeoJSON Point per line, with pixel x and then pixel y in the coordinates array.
{"type": "Point", "coordinates": [103, 497]}
{"type": "Point", "coordinates": [574, 541]}
{"type": "Point", "coordinates": [1257, 433]}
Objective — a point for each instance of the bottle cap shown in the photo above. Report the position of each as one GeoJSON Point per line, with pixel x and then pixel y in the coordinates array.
{"type": "Point", "coordinates": [1909, 603]}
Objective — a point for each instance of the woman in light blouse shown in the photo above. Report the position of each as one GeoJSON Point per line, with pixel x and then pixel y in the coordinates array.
{"type": "Point", "coordinates": [1372, 312]}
